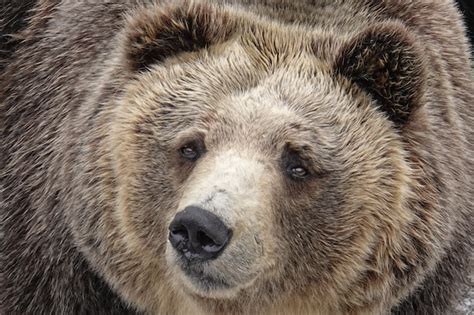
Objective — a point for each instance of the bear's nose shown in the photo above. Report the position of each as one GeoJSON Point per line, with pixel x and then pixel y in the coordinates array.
{"type": "Point", "coordinates": [198, 234]}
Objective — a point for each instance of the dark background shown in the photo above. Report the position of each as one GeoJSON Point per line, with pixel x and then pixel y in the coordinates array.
{"type": "Point", "coordinates": [467, 8]}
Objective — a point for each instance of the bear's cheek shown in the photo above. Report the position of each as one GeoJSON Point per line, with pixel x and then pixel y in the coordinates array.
{"type": "Point", "coordinates": [318, 230]}
{"type": "Point", "coordinates": [147, 194]}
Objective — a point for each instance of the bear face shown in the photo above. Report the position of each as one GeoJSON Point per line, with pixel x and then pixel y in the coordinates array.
{"type": "Point", "coordinates": [299, 160]}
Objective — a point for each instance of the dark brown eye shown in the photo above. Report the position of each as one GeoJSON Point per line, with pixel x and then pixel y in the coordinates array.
{"type": "Point", "coordinates": [189, 152]}
{"type": "Point", "coordinates": [297, 171]}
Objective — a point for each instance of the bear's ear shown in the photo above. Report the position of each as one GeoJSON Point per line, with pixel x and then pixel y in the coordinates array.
{"type": "Point", "coordinates": [385, 61]}
{"type": "Point", "coordinates": [156, 34]}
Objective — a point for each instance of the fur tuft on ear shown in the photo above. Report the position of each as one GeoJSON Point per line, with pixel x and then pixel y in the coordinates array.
{"type": "Point", "coordinates": [155, 35]}
{"type": "Point", "coordinates": [385, 61]}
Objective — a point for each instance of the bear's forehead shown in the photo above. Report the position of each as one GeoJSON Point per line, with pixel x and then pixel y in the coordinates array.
{"type": "Point", "coordinates": [239, 96]}
{"type": "Point", "coordinates": [279, 54]}
{"type": "Point", "coordinates": [214, 78]}
{"type": "Point", "coordinates": [231, 92]}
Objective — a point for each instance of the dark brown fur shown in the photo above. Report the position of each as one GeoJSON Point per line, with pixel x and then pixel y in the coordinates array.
{"type": "Point", "coordinates": [85, 197]}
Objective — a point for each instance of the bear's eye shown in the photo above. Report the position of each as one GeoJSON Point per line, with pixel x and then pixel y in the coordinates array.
{"type": "Point", "coordinates": [297, 171]}
{"type": "Point", "coordinates": [189, 152]}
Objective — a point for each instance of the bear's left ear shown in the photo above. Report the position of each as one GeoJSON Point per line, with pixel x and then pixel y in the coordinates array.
{"type": "Point", "coordinates": [153, 35]}
{"type": "Point", "coordinates": [385, 61]}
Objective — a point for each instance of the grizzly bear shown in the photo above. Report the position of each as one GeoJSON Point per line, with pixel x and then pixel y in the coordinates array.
{"type": "Point", "coordinates": [237, 157]}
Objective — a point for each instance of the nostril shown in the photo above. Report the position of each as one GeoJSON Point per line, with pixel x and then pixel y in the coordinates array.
{"type": "Point", "coordinates": [179, 236]}
{"type": "Point", "coordinates": [207, 243]}
{"type": "Point", "coordinates": [180, 233]}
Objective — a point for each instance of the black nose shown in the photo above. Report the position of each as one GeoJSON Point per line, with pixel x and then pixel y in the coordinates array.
{"type": "Point", "coordinates": [198, 234]}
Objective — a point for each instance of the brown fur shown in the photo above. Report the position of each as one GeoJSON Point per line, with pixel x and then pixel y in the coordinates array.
{"type": "Point", "coordinates": [372, 97]}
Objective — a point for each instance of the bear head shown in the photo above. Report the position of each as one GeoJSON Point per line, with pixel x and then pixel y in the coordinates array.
{"type": "Point", "coordinates": [244, 170]}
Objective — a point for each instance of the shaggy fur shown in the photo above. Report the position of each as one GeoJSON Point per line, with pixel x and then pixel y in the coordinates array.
{"type": "Point", "coordinates": [13, 19]}
{"type": "Point", "coordinates": [372, 98]}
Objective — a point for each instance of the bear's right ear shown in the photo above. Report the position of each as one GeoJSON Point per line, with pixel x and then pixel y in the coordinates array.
{"type": "Point", "coordinates": [155, 35]}
{"type": "Point", "coordinates": [385, 61]}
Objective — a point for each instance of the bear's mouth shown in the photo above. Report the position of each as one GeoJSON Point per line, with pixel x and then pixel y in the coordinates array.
{"type": "Point", "coordinates": [201, 279]}
{"type": "Point", "coordinates": [205, 282]}
{"type": "Point", "coordinates": [219, 278]}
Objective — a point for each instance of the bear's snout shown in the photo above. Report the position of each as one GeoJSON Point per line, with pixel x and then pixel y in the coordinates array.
{"type": "Point", "coordinates": [196, 233]}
